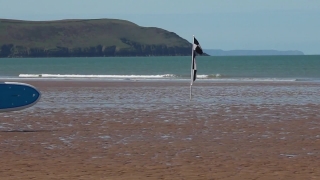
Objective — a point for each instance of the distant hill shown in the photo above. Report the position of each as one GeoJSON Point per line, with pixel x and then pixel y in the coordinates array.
{"type": "Point", "coordinates": [87, 38]}
{"type": "Point", "coordinates": [218, 52]}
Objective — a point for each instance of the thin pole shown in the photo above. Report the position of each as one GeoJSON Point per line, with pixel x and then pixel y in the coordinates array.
{"type": "Point", "coordinates": [190, 92]}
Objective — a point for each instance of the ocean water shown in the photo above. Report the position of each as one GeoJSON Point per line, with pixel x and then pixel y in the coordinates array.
{"type": "Point", "coordinates": [233, 68]}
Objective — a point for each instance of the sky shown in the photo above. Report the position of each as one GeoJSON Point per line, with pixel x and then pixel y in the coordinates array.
{"type": "Point", "coordinates": [217, 24]}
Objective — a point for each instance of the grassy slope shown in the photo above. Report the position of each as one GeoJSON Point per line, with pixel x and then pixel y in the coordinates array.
{"type": "Point", "coordinates": [83, 33]}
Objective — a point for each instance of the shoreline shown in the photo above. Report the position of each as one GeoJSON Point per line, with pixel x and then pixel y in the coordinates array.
{"type": "Point", "coordinates": [201, 81]}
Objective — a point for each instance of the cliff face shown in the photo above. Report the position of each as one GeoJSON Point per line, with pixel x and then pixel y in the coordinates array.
{"type": "Point", "coordinates": [87, 38]}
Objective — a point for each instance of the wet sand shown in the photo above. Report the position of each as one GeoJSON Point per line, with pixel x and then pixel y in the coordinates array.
{"type": "Point", "coordinates": [150, 130]}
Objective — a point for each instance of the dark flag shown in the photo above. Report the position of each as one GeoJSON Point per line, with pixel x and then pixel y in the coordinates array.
{"type": "Point", "coordinates": [196, 49]}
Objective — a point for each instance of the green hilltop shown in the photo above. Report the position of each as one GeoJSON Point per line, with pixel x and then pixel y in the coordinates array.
{"type": "Point", "coordinates": [87, 38]}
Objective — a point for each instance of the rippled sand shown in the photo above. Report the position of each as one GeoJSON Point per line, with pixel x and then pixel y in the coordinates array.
{"type": "Point", "coordinates": [150, 130]}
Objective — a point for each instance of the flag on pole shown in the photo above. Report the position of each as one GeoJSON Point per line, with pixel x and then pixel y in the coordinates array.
{"type": "Point", "coordinates": [196, 49]}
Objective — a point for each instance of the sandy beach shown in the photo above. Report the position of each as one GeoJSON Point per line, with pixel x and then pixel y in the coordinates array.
{"type": "Point", "coordinates": [150, 130]}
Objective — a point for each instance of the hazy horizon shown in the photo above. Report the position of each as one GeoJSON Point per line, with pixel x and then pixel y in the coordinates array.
{"type": "Point", "coordinates": [226, 25]}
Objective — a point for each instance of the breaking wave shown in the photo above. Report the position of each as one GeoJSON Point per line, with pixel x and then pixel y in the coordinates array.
{"type": "Point", "coordinates": [96, 76]}
{"type": "Point", "coordinates": [211, 77]}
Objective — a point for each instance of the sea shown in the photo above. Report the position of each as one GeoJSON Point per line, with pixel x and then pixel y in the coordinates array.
{"type": "Point", "coordinates": [174, 68]}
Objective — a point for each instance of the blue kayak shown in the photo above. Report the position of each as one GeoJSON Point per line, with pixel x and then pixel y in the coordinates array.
{"type": "Point", "coordinates": [16, 96]}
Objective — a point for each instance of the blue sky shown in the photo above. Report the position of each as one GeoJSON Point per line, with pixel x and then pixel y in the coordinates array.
{"type": "Point", "coordinates": [217, 24]}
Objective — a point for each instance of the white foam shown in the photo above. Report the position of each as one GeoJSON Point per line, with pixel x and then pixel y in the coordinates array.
{"type": "Point", "coordinates": [201, 77]}
{"type": "Point", "coordinates": [95, 76]}
{"type": "Point", "coordinates": [250, 79]}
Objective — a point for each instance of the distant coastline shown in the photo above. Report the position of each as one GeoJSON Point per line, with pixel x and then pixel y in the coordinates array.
{"type": "Point", "coordinates": [100, 38]}
{"type": "Point", "coordinates": [219, 52]}
{"type": "Point", "coordinates": [87, 38]}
